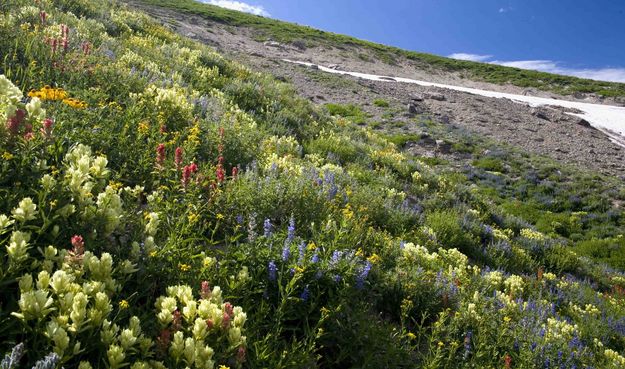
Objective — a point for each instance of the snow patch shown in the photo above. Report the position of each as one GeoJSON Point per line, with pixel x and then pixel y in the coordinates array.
{"type": "Point", "coordinates": [608, 119]}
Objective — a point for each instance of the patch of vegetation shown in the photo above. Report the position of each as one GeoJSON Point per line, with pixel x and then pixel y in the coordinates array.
{"type": "Point", "coordinates": [381, 103]}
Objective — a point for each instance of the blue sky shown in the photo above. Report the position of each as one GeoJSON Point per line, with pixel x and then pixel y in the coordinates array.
{"type": "Point", "coordinates": [585, 38]}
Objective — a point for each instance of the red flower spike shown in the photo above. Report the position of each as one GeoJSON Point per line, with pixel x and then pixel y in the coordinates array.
{"type": "Point", "coordinates": [160, 155]}
{"type": "Point", "coordinates": [178, 157]}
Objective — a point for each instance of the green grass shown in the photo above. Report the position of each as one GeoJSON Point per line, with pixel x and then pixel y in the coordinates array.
{"type": "Point", "coordinates": [289, 32]}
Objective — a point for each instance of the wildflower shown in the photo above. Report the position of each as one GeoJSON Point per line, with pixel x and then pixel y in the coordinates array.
{"type": "Point", "coordinates": [12, 360]}
{"type": "Point", "coordinates": [49, 361]}
{"type": "Point", "coordinates": [315, 258]}
{"type": "Point", "coordinates": [187, 171]}
{"type": "Point", "coordinates": [305, 294]}
{"type": "Point", "coordinates": [178, 157]}
{"type": "Point", "coordinates": [286, 253]}
{"type": "Point", "coordinates": [360, 279]}
{"type": "Point", "coordinates": [272, 269]}
{"type": "Point", "coordinates": [220, 173]}
{"type": "Point", "coordinates": [374, 259]}
{"type": "Point", "coordinates": [25, 211]}
{"type": "Point", "coordinates": [235, 172]}
{"type": "Point", "coordinates": [240, 355]}
{"type": "Point", "coordinates": [160, 155]}
{"type": "Point", "coordinates": [205, 290]}
{"type": "Point", "coordinates": [123, 304]}
{"type": "Point", "coordinates": [75, 103]}
{"type": "Point", "coordinates": [301, 249]}
{"type": "Point", "coordinates": [7, 155]}
{"type": "Point", "coordinates": [440, 344]}
{"type": "Point", "coordinates": [267, 228]}
{"type": "Point", "coordinates": [251, 228]}
{"type": "Point", "coordinates": [291, 229]}
{"type": "Point", "coordinates": [507, 319]}
{"type": "Point", "coordinates": [223, 367]}
{"type": "Point", "coordinates": [507, 361]}
{"type": "Point", "coordinates": [184, 267]}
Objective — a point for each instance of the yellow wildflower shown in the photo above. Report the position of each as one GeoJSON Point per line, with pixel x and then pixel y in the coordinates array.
{"type": "Point", "coordinates": [440, 344]}
{"type": "Point", "coordinates": [411, 335]}
{"type": "Point", "coordinates": [123, 304]}
{"type": "Point", "coordinates": [220, 216]}
{"type": "Point", "coordinates": [75, 103]}
{"type": "Point", "coordinates": [192, 217]}
{"type": "Point", "coordinates": [359, 252]}
{"type": "Point", "coordinates": [374, 259]}
{"type": "Point", "coordinates": [184, 267]}
{"type": "Point", "coordinates": [144, 127]}
{"type": "Point", "coordinates": [223, 367]}
{"type": "Point", "coordinates": [7, 155]}
{"type": "Point", "coordinates": [312, 246]}
{"type": "Point", "coordinates": [507, 319]}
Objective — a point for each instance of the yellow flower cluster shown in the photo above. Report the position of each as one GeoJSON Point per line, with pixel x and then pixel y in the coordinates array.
{"type": "Point", "coordinates": [57, 94]}
{"type": "Point", "coordinates": [49, 93]}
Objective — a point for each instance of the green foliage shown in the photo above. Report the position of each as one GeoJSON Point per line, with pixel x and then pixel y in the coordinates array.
{"type": "Point", "coordinates": [381, 103]}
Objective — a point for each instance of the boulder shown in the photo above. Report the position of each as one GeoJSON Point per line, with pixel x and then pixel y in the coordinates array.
{"type": "Point", "coordinates": [443, 146]}
{"type": "Point", "coordinates": [435, 96]}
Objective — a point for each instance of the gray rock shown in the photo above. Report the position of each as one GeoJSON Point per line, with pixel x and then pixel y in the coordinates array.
{"type": "Point", "coordinates": [443, 147]}
{"type": "Point", "coordinates": [414, 109]}
{"type": "Point", "coordinates": [435, 96]}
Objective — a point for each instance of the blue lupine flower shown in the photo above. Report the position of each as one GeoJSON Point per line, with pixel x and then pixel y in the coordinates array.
{"type": "Point", "coordinates": [48, 362]}
{"type": "Point", "coordinates": [291, 230]}
{"type": "Point", "coordinates": [336, 256]}
{"type": "Point", "coordinates": [12, 360]}
{"type": "Point", "coordinates": [286, 253]}
{"type": "Point", "coordinates": [315, 258]}
{"type": "Point", "coordinates": [267, 228]}
{"type": "Point", "coordinates": [273, 271]}
{"type": "Point", "coordinates": [302, 250]}
{"type": "Point", "coordinates": [239, 219]}
{"type": "Point", "coordinates": [402, 244]}
{"type": "Point", "coordinates": [337, 278]}
{"type": "Point", "coordinates": [305, 294]}
{"type": "Point", "coordinates": [360, 279]}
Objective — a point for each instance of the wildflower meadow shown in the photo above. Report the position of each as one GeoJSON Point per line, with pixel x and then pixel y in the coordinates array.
{"type": "Point", "coordinates": [162, 206]}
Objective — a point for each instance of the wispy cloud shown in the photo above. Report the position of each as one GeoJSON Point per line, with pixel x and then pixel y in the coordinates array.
{"type": "Point", "coordinates": [550, 66]}
{"type": "Point", "coordinates": [600, 74]}
{"type": "Point", "coordinates": [240, 6]}
{"type": "Point", "coordinates": [470, 57]}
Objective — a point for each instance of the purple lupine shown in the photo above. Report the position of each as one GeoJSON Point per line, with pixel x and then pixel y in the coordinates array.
{"type": "Point", "coordinates": [302, 250]}
{"type": "Point", "coordinates": [273, 271]}
{"type": "Point", "coordinates": [315, 258]}
{"type": "Point", "coordinates": [305, 294]}
{"type": "Point", "coordinates": [360, 279]}
{"type": "Point", "coordinates": [239, 219]}
{"type": "Point", "coordinates": [286, 253]}
{"type": "Point", "coordinates": [291, 230]}
{"type": "Point", "coordinates": [267, 228]}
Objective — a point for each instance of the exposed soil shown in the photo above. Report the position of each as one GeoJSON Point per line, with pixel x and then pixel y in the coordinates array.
{"type": "Point", "coordinates": [544, 131]}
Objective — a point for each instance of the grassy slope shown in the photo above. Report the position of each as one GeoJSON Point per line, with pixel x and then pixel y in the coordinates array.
{"type": "Point", "coordinates": [289, 32]}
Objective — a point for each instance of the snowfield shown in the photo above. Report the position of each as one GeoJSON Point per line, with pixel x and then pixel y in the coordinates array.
{"type": "Point", "coordinates": [607, 118]}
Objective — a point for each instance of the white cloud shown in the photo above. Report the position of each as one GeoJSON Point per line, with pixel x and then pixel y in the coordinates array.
{"type": "Point", "coordinates": [550, 66]}
{"type": "Point", "coordinates": [470, 57]}
{"type": "Point", "coordinates": [240, 6]}
{"type": "Point", "coordinates": [502, 10]}
{"type": "Point", "coordinates": [600, 74]}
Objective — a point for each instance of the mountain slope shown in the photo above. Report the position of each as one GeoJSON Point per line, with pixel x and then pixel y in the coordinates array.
{"type": "Point", "coordinates": [165, 206]}
{"type": "Point", "coordinates": [284, 32]}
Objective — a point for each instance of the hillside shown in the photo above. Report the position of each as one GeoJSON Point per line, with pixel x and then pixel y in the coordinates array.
{"type": "Point", "coordinates": [166, 205]}
{"type": "Point", "coordinates": [303, 37]}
